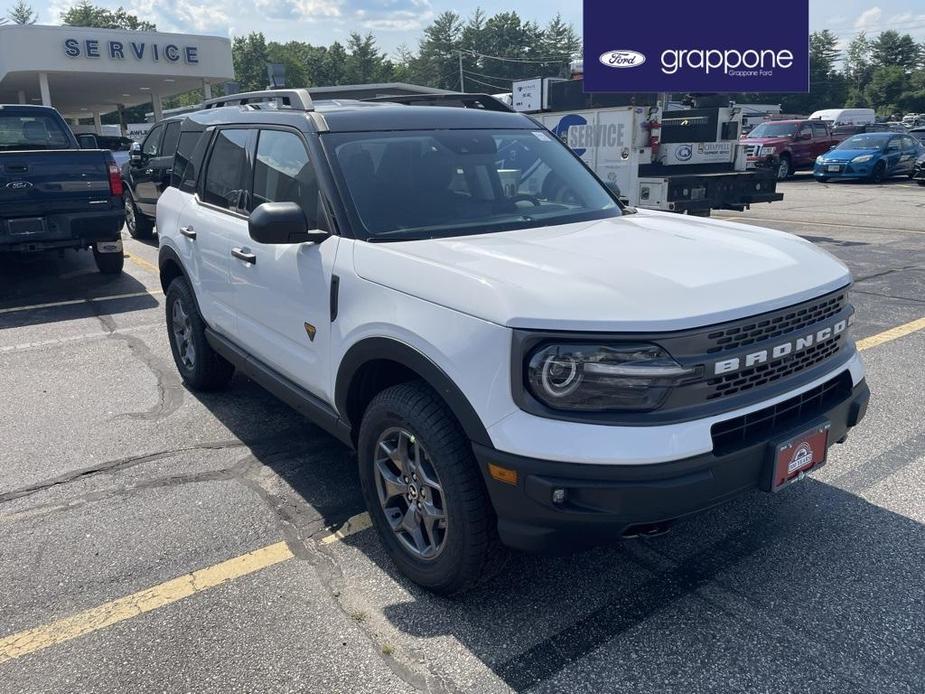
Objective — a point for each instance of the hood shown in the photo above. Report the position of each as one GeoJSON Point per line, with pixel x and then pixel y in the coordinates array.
{"type": "Point", "coordinates": [766, 141]}
{"type": "Point", "coordinates": [843, 155]}
{"type": "Point", "coordinates": [648, 271]}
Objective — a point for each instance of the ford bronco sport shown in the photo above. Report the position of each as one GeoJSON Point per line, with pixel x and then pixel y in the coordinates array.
{"type": "Point", "coordinates": [516, 357]}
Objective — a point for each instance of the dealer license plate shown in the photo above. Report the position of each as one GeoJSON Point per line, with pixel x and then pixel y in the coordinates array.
{"type": "Point", "coordinates": [833, 167]}
{"type": "Point", "coordinates": [799, 454]}
{"type": "Point", "coordinates": [26, 225]}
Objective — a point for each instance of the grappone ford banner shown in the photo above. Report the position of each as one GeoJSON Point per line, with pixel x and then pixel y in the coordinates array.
{"type": "Point", "coordinates": [716, 46]}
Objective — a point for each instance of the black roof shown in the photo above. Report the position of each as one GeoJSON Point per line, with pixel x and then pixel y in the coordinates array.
{"type": "Point", "coordinates": [359, 116]}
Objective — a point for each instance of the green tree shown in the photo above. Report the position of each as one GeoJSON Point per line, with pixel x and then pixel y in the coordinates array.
{"type": "Point", "coordinates": [86, 14]}
{"type": "Point", "coordinates": [886, 88]}
{"type": "Point", "coordinates": [857, 70]}
{"type": "Point", "coordinates": [21, 13]}
{"type": "Point", "coordinates": [250, 57]}
{"type": "Point", "coordinates": [828, 86]}
{"type": "Point", "coordinates": [438, 55]}
{"type": "Point", "coordinates": [365, 63]}
{"type": "Point", "coordinates": [891, 48]}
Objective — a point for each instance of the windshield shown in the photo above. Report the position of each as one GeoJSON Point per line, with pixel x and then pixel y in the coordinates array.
{"type": "Point", "coordinates": [774, 130]}
{"type": "Point", "coordinates": [434, 184]}
{"type": "Point", "coordinates": [918, 135]}
{"type": "Point", "coordinates": [31, 132]}
{"type": "Point", "coordinates": [872, 141]}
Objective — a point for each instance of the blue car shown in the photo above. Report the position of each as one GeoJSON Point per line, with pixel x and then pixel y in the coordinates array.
{"type": "Point", "coordinates": [870, 157]}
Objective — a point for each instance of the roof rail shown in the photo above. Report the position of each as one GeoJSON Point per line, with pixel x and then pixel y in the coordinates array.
{"type": "Point", "coordinates": [295, 99]}
{"type": "Point", "coordinates": [485, 102]}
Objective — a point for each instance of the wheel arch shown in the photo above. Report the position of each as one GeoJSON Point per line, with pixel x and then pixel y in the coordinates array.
{"type": "Point", "coordinates": [375, 363]}
{"type": "Point", "coordinates": [170, 267]}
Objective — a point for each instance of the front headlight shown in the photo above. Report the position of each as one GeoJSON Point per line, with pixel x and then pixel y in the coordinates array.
{"type": "Point", "coordinates": [819, 159]}
{"type": "Point", "coordinates": [766, 151]}
{"type": "Point", "coordinates": [596, 377]}
{"type": "Point", "coordinates": [861, 159]}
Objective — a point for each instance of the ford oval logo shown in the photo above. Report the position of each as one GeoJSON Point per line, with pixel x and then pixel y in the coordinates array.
{"type": "Point", "coordinates": [622, 59]}
{"type": "Point", "coordinates": [19, 185]}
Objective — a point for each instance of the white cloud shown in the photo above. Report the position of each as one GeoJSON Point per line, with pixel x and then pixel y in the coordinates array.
{"type": "Point", "coordinates": [869, 18]}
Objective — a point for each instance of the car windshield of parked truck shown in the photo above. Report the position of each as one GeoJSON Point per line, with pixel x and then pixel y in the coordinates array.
{"type": "Point", "coordinates": [19, 132]}
{"type": "Point", "coordinates": [774, 130]}
{"type": "Point", "coordinates": [868, 141]}
{"type": "Point", "coordinates": [432, 184]}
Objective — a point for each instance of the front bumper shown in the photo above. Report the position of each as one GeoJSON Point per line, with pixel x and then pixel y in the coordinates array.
{"type": "Point", "coordinates": [603, 501]}
{"type": "Point", "coordinates": [845, 170]}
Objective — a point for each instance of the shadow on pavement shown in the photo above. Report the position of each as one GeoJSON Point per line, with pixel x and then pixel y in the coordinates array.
{"type": "Point", "coordinates": [47, 278]}
{"type": "Point", "coordinates": [813, 589]}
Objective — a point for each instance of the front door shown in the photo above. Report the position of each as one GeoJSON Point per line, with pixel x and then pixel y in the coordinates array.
{"type": "Point", "coordinates": [282, 291]}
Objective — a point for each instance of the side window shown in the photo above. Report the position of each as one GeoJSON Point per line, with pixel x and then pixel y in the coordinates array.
{"type": "Point", "coordinates": [283, 173]}
{"type": "Point", "coordinates": [820, 131]}
{"type": "Point", "coordinates": [893, 145]}
{"type": "Point", "coordinates": [227, 169]}
{"type": "Point", "coordinates": [806, 130]}
{"type": "Point", "coordinates": [171, 137]}
{"type": "Point", "coordinates": [186, 144]}
{"type": "Point", "coordinates": [909, 144]}
{"type": "Point", "coordinates": [151, 145]}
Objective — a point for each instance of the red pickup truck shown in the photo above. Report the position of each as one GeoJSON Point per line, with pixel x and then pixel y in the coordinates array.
{"type": "Point", "coordinates": [788, 145]}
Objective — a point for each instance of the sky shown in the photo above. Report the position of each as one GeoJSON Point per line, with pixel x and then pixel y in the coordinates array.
{"type": "Point", "coordinates": [398, 22]}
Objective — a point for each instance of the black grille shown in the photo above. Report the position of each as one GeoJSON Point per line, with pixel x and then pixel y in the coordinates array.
{"type": "Point", "coordinates": [777, 419]}
{"type": "Point", "coordinates": [763, 374]}
{"type": "Point", "coordinates": [771, 325]}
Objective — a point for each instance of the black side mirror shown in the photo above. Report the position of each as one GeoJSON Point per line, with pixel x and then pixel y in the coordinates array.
{"type": "Point", "coordinates": [88, 141]}
{"type": "Point", "coordinates": [281, 222]}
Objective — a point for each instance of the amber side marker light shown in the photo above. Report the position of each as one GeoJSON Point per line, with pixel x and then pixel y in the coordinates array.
{"type": "Point", "coordinates": [502, 474]}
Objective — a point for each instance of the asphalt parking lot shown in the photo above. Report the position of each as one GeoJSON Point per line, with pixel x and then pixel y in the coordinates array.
{"type": "Point", "coordinates": [153, 539]}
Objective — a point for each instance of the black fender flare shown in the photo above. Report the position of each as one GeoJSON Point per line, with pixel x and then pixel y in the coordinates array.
{"type": "Point", "coordinates": [166, 255]}
{"type": "Point", "coordinates": [373, 348]}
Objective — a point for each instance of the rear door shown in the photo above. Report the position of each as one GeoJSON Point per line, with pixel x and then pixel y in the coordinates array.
{"type": "Point", "coordinates": [216, 216]}
{"type": "Point", "coordinates": [282, 291]}
{"type": "Point", "coordinates": [909, 155]}
{"type": "Point", "coordinates": [803, 148]}
{"type": "Point", "coordinates": [893, 155]}
{"type": "Point", "coordinates": [144, 188]}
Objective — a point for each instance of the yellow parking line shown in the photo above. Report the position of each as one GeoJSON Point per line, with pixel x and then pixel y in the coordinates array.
{"type": "Point", "coordinates": [891, 334]}
{"type": "Point", "coordinates": [142, 263]}
{"type": "Point", "coordinates": [161, 595]}
{"type": "Point", "coordinates": [138, 603]}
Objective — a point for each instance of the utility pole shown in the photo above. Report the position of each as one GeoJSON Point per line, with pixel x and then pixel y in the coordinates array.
{"type": "Point", "coordinates": [462, 86]}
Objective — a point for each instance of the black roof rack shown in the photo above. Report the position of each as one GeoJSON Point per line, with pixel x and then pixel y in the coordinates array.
{"type": "Point", "coordinates": [485, 102]}
{"type": "Point", "coordinates": [293, 99]}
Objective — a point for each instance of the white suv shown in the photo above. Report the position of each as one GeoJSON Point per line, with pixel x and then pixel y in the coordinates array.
{"type": "Point", "coordinates": [515, 356]}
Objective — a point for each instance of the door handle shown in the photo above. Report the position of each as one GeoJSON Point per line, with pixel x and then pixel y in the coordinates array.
{"type": "Point", "coordinates": [244, 254]}
{"type": "Point", "coordinates": [188, 232]}
{"type": "Point", "coordinates": [148, 172]}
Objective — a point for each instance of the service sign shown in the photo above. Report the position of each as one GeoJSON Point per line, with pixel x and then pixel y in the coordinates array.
{"type": "Point", "coordinates": [716, 46]}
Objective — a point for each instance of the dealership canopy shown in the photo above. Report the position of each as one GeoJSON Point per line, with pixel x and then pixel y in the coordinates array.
{"type": "Point", "coordinates": [83, 71]}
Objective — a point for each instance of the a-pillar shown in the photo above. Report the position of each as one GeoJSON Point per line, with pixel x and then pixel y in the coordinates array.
{"type": "Point", "coordinates": [158, 107]}
{"type": "Point", "coordinates": [43, 87]}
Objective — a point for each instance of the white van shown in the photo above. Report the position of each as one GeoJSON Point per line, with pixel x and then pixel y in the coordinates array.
{"type": "Point", "coordinates": [846, 116]}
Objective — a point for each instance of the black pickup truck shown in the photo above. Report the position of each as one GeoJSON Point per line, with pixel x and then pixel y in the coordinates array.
{"type": "Point", "coordinates": [53, 195]}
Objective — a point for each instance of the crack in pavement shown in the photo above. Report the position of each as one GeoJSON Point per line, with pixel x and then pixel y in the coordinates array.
{"type": "Point", "coordinates": [169, 385]}
{"type": "Point", "coordinates": [116, 465]}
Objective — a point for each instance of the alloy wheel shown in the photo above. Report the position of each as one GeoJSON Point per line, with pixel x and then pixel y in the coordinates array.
{"type": "Point", "coordinates": [130, 215]}
{"type": "Point", "coordinates": [410, 493]}
{"type": "Point", "coordinates": [183, 335]}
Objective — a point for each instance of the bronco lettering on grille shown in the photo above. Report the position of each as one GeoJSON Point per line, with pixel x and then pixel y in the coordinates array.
{"type": "Point", "coordinates": [780, 350]}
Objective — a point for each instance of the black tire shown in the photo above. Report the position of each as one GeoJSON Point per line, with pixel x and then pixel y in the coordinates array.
{"type": "Point", "coordinates": [471, 550]}
{"type": "Point", "coordinates": [206, 369]}
{"type": "Point", "coordinates": [921, 183]}
{"type": "Point", "coordinates": [784, 168]}
{"type": "Point", "coordinates": [876, 176]}
{"type": "Point", "coordinates": [821, 179]}
{"type": "Point", "coordinates": [139, 226]}
{"type": "Point", "coordinates": [109, 263]}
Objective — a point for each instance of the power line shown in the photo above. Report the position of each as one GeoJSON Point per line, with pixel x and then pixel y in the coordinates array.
{"type": "Point", "coordinates": [496, 77]}
{"type": "Point", "coordinates": [540, 61]}
{"type": "Point", "coordinates": [486, 84]}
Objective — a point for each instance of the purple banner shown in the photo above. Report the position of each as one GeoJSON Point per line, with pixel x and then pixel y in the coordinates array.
{"type": "Point", "coordinates": [715, 46]}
